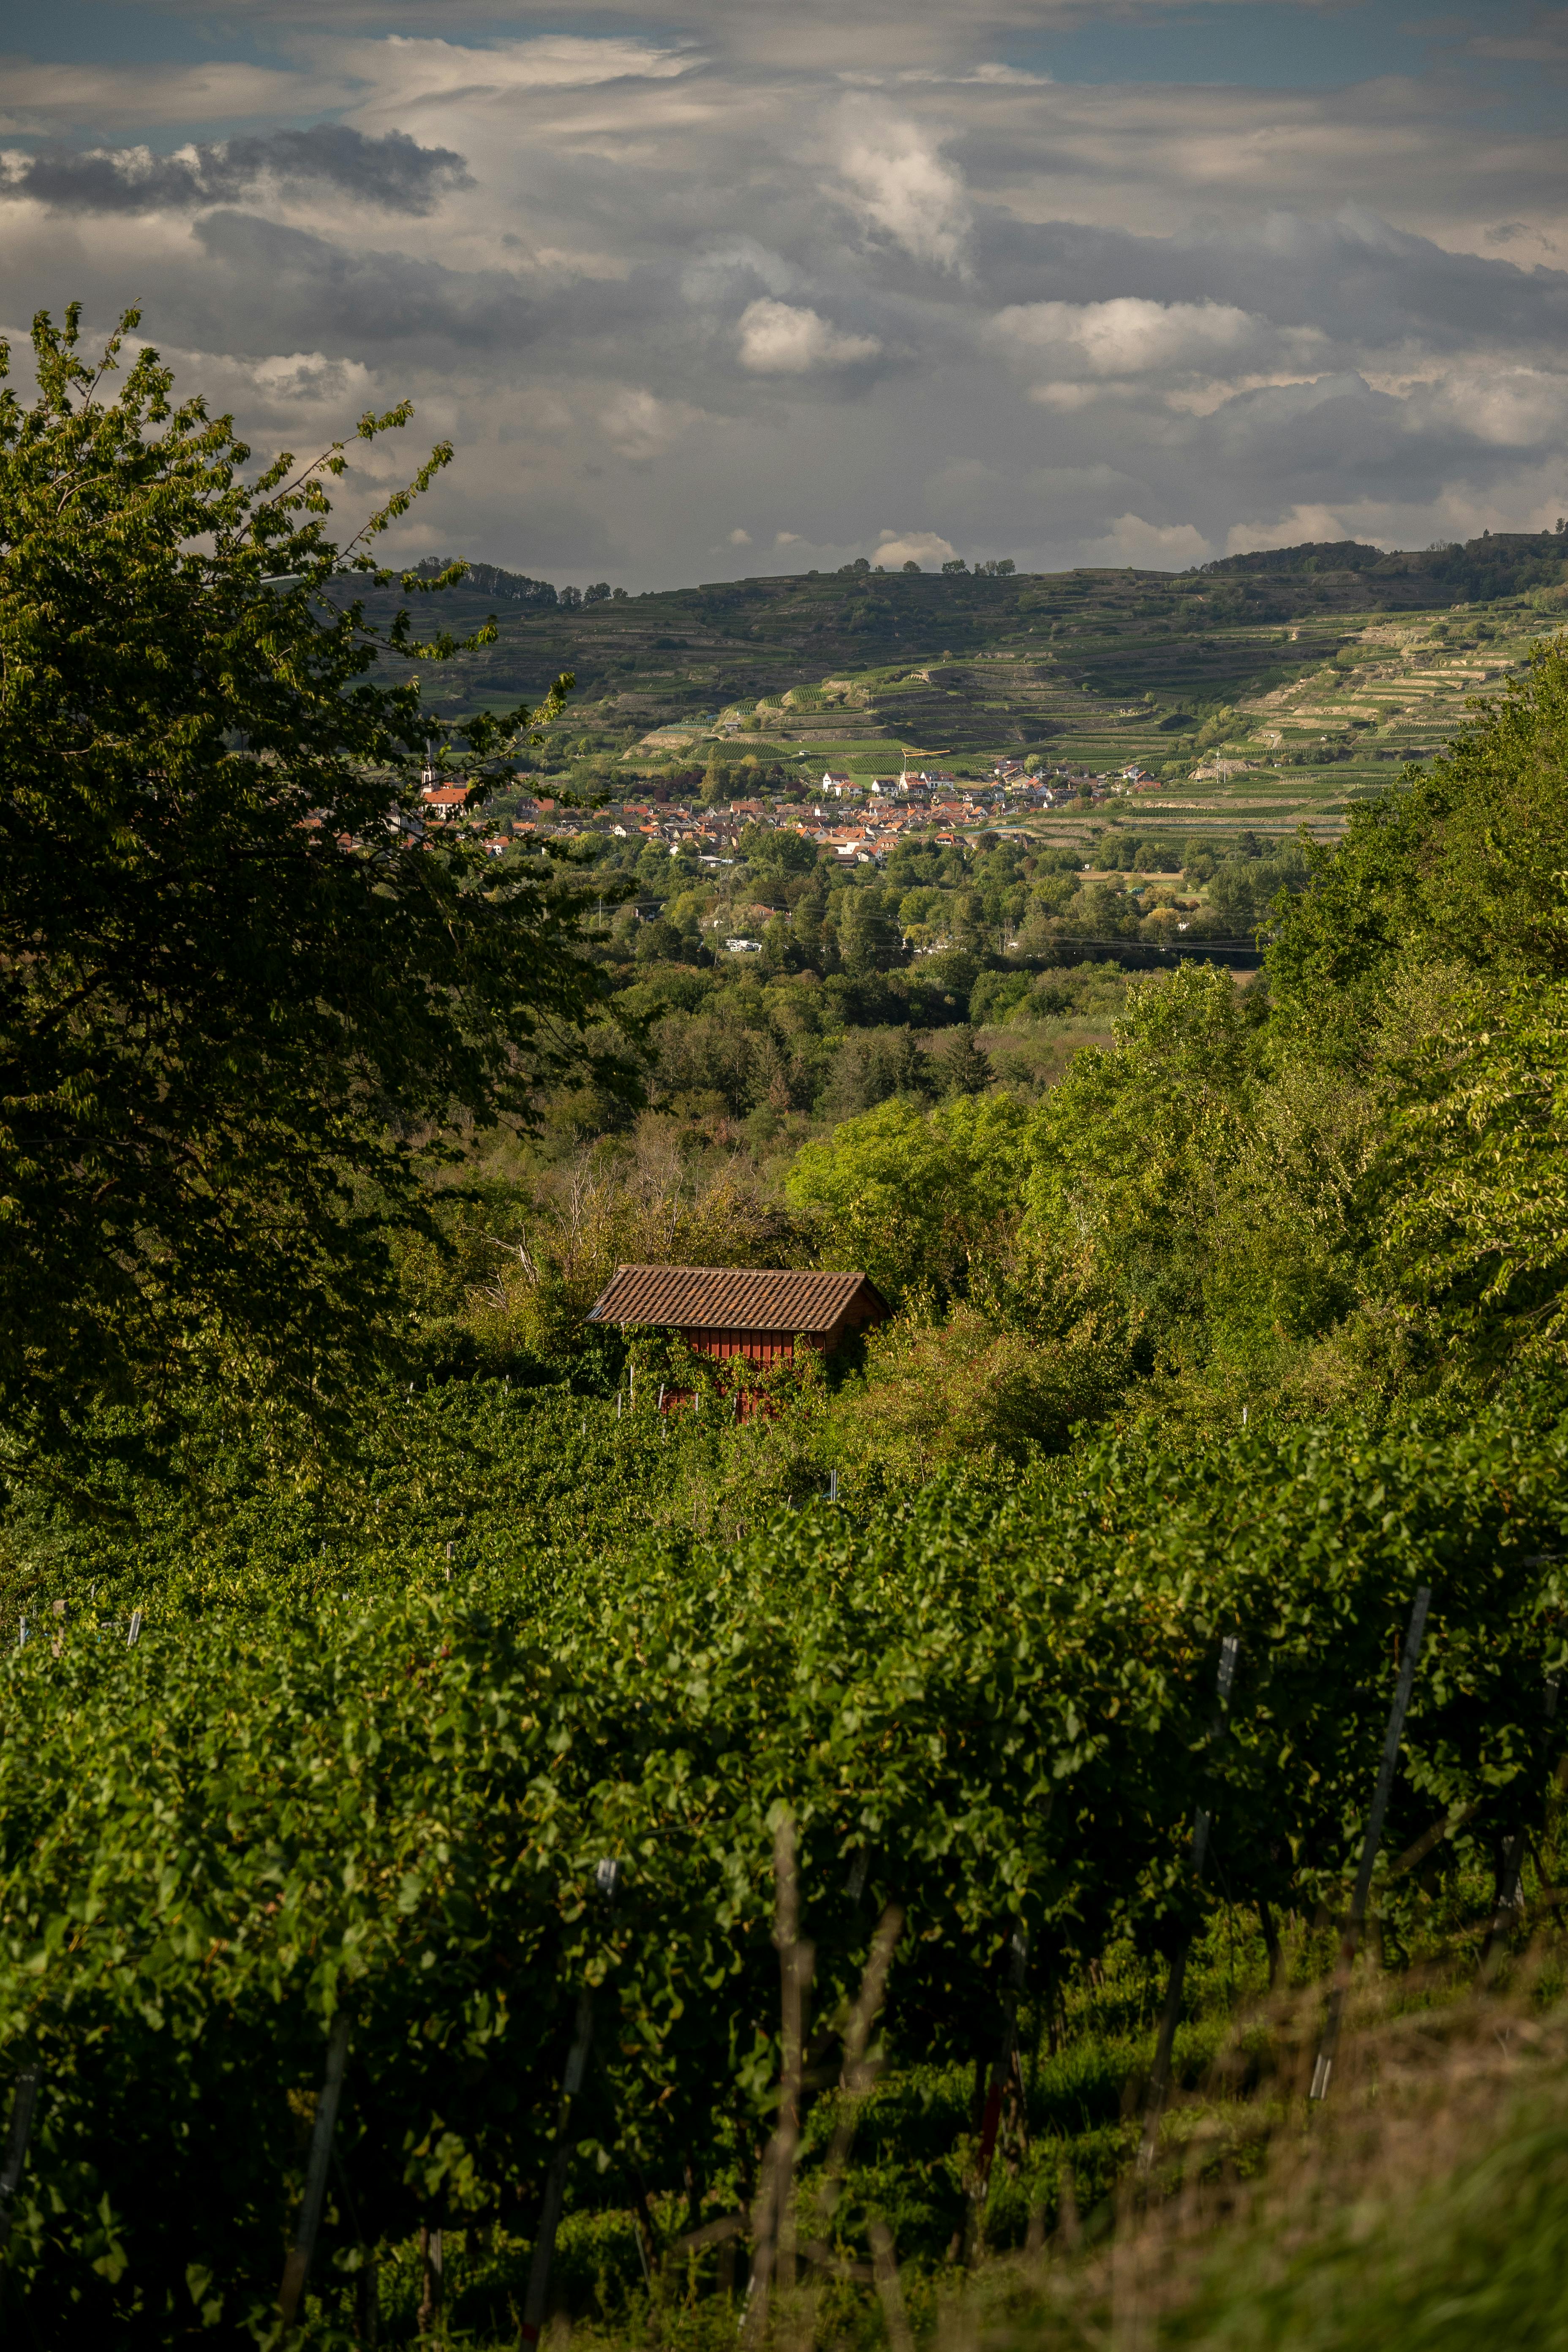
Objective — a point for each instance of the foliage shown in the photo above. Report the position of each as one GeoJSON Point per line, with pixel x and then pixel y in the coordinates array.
{"type": "Point", "coordinates": [916, 1201]}
{"type": "Point", "coordinates": [1464, 864]}
{"type": "Point", "coordinates": [1475, 1168]}
{"type": "Point", "coordinates": [239, 991]}
{"type": "Point", "coordinates": [393, 1794]}
{"type": "Point", "coordinates": [969, 1391]}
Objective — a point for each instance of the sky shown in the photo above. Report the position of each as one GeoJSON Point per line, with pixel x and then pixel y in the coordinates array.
{"type": "Point", "coordinates": [719, 287]}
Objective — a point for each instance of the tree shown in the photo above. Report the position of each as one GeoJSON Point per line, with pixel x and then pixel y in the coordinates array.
{"type": "Point", "coordinates": [243, 996]}
{"type": "Point", "coordinates": [915, 1197]}
{"type": "Point", "coordinates": [962, 1068]}
{"type": "Point", "coordinates": [1462, 864]}
{"type": "Point", "coordinates": [771, 854]}
{"type": "Point", "coordinates": [909, 564]}
{"type": "Point", "coordinates": [867, 934]}
{"type": "Point", "coordinates": [1471, 1180]}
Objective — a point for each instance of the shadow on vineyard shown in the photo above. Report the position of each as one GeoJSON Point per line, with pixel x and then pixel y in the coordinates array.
{"type": "Point", "coordinates": [1044, 1828]}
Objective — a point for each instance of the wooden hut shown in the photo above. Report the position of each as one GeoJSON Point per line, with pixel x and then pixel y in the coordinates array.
{"type": "Point", "coordinates": [728, 1310]}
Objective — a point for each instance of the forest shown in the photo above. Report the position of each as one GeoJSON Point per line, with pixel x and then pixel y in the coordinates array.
{"type": "Point", "coordinates": [884, 1849]}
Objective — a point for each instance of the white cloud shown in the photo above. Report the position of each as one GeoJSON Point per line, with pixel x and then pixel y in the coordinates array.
{"type": "Point", "coordinates": [903, 186]}
{"type": "Point", "coordinates": [1290, 529]}
{"type": "Point", "coordinates": [1168, 261]}
{"type": "Point", "coordinates": [310, 375]}
{"type": "Point", "coordinates": [776, 339]}
{"type": "Point", "coordinates": [999, 76]}
{"type": "Point", "coordinates": [39, 96]}
{"type": "Point", "coordinates": [992, 76]}
{"type": "Point", "coordinates": [1067, 398]}
{"type": "Point", "coordinates": [914, 547]}
{"type": "Point", "coordinates": [739, 538]}
{"type": "Point", "coordinates": [638, 424]}
{"type": "Point", "coordinates": [401, 69]}
{"type": "Point", "coordinates": [721, 272]}
{"type": "Point", "coordinates": [1129, 335]}
{"type": "Point", "coordinates": [1149, 546]}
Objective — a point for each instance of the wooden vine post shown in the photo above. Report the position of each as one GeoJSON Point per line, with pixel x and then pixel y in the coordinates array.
{"type": "Point", "coordinates": [1170, 2017]}
{"type": "Point", "coordinates": [296, 2270]}
{"type": "Point", "coordinates": [1350, 1941]}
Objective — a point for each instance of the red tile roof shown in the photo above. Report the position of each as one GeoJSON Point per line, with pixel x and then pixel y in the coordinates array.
{"type": "Point", "coordinates": [709, 1298]}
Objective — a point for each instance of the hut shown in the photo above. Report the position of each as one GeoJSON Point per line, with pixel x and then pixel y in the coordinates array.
{"type": "Point", "coordinates": [762, 1314]}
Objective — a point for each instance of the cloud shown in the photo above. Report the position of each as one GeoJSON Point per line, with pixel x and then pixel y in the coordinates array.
{"type": "Point", "coordinates": [1129, 335]}
{"type": "Point", "coordinates": [1293, 529]}
{"type": "Point", "coordinates": [398, 66]}
{"type": "Point", "coordinates": [903, 186]}
{"type": "Point", "coordinates": [639, 426]}
{"type": "Point", "coordinates": [36, 93]}
{"type": "Point", "coordinates": [1122, 311]}
{"type": "Point", "coordinates": [393, 172]}
{"type": "Point", "coordinates": [275, 282]}
{"type": "Point", "coordinates": [739, 538]}
{"type": "Point", "coordinates": [1149, 546]}
{"type": "Point", "coordinates": [778, 340]}
{"type": "Point", "coordinates": [914, 547]}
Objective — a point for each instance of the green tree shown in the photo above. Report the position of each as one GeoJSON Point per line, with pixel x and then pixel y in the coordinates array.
{"type": "Point", "coordinates": [772, 853]}
{"type": "Point", "coordinates": [1463, 864]}
{"type": "Point", "coordinates": [916, 1198]}
{"type": "Point", "coordinates": [962, 1068]}
{"type": "Point", "coordinates": [1472, 1178]}
{"type": "Point", "coordinates": [241, 993]}
{"type": "Point", "coordinates": [867, 933]}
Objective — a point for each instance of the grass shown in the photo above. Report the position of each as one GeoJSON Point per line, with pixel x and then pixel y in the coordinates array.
{"type": "Point", "coordinates": [1423, 2208]}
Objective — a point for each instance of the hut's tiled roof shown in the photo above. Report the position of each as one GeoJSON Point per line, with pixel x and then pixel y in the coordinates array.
{"type": "Point", "coordinates": [729, 1298]}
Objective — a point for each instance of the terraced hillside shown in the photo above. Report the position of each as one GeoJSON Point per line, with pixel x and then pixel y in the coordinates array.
{"type": "Point", "coordinates": [1265, 694]}
{"type": "Point", "coordinates": [953, 661]}
{"type": "Point", "coordinates": [1299, 755]}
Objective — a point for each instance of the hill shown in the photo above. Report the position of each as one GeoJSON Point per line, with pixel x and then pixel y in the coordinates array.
{"type": "Point", "coordinates": [1246, 623]}
{"type": "Point", "coordinates": [1268, 689]}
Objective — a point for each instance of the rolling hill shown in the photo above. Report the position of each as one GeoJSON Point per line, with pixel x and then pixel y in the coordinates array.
{"type": "Point", "coordinates": [1302, 671]}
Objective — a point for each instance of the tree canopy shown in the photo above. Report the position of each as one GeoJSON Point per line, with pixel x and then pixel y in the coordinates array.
{"type": "Point", "coordinates": [241, 991]}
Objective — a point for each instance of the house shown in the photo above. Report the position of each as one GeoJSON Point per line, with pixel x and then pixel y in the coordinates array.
{"type": "Point", "coordinates": [762, 1315]}
{"type": "Point", "coordinates": [444, 802]}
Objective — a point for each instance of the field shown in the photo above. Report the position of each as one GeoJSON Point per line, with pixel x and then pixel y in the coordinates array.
{"type": "Point", "coordinates": [1396, 692]}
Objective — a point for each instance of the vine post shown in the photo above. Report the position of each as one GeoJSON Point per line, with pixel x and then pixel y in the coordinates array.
{"type": "Point", "coordinates": [1350, 1940]}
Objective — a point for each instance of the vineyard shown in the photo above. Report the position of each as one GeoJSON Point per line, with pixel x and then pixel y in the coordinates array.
{"type": "Point", "coordinates": [856, 1863]}
{"type": "Point", "coordinates": [449, 1806]}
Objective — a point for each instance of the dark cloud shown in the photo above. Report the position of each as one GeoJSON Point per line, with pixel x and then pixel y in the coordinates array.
{"type": "Point", "coordinates": [393, 172]}
{"type": "Point", "coordinates": [298, 285]}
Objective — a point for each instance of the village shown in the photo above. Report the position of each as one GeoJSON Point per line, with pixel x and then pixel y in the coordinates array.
{"type": "Point", "coordinates": [857, 821]}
